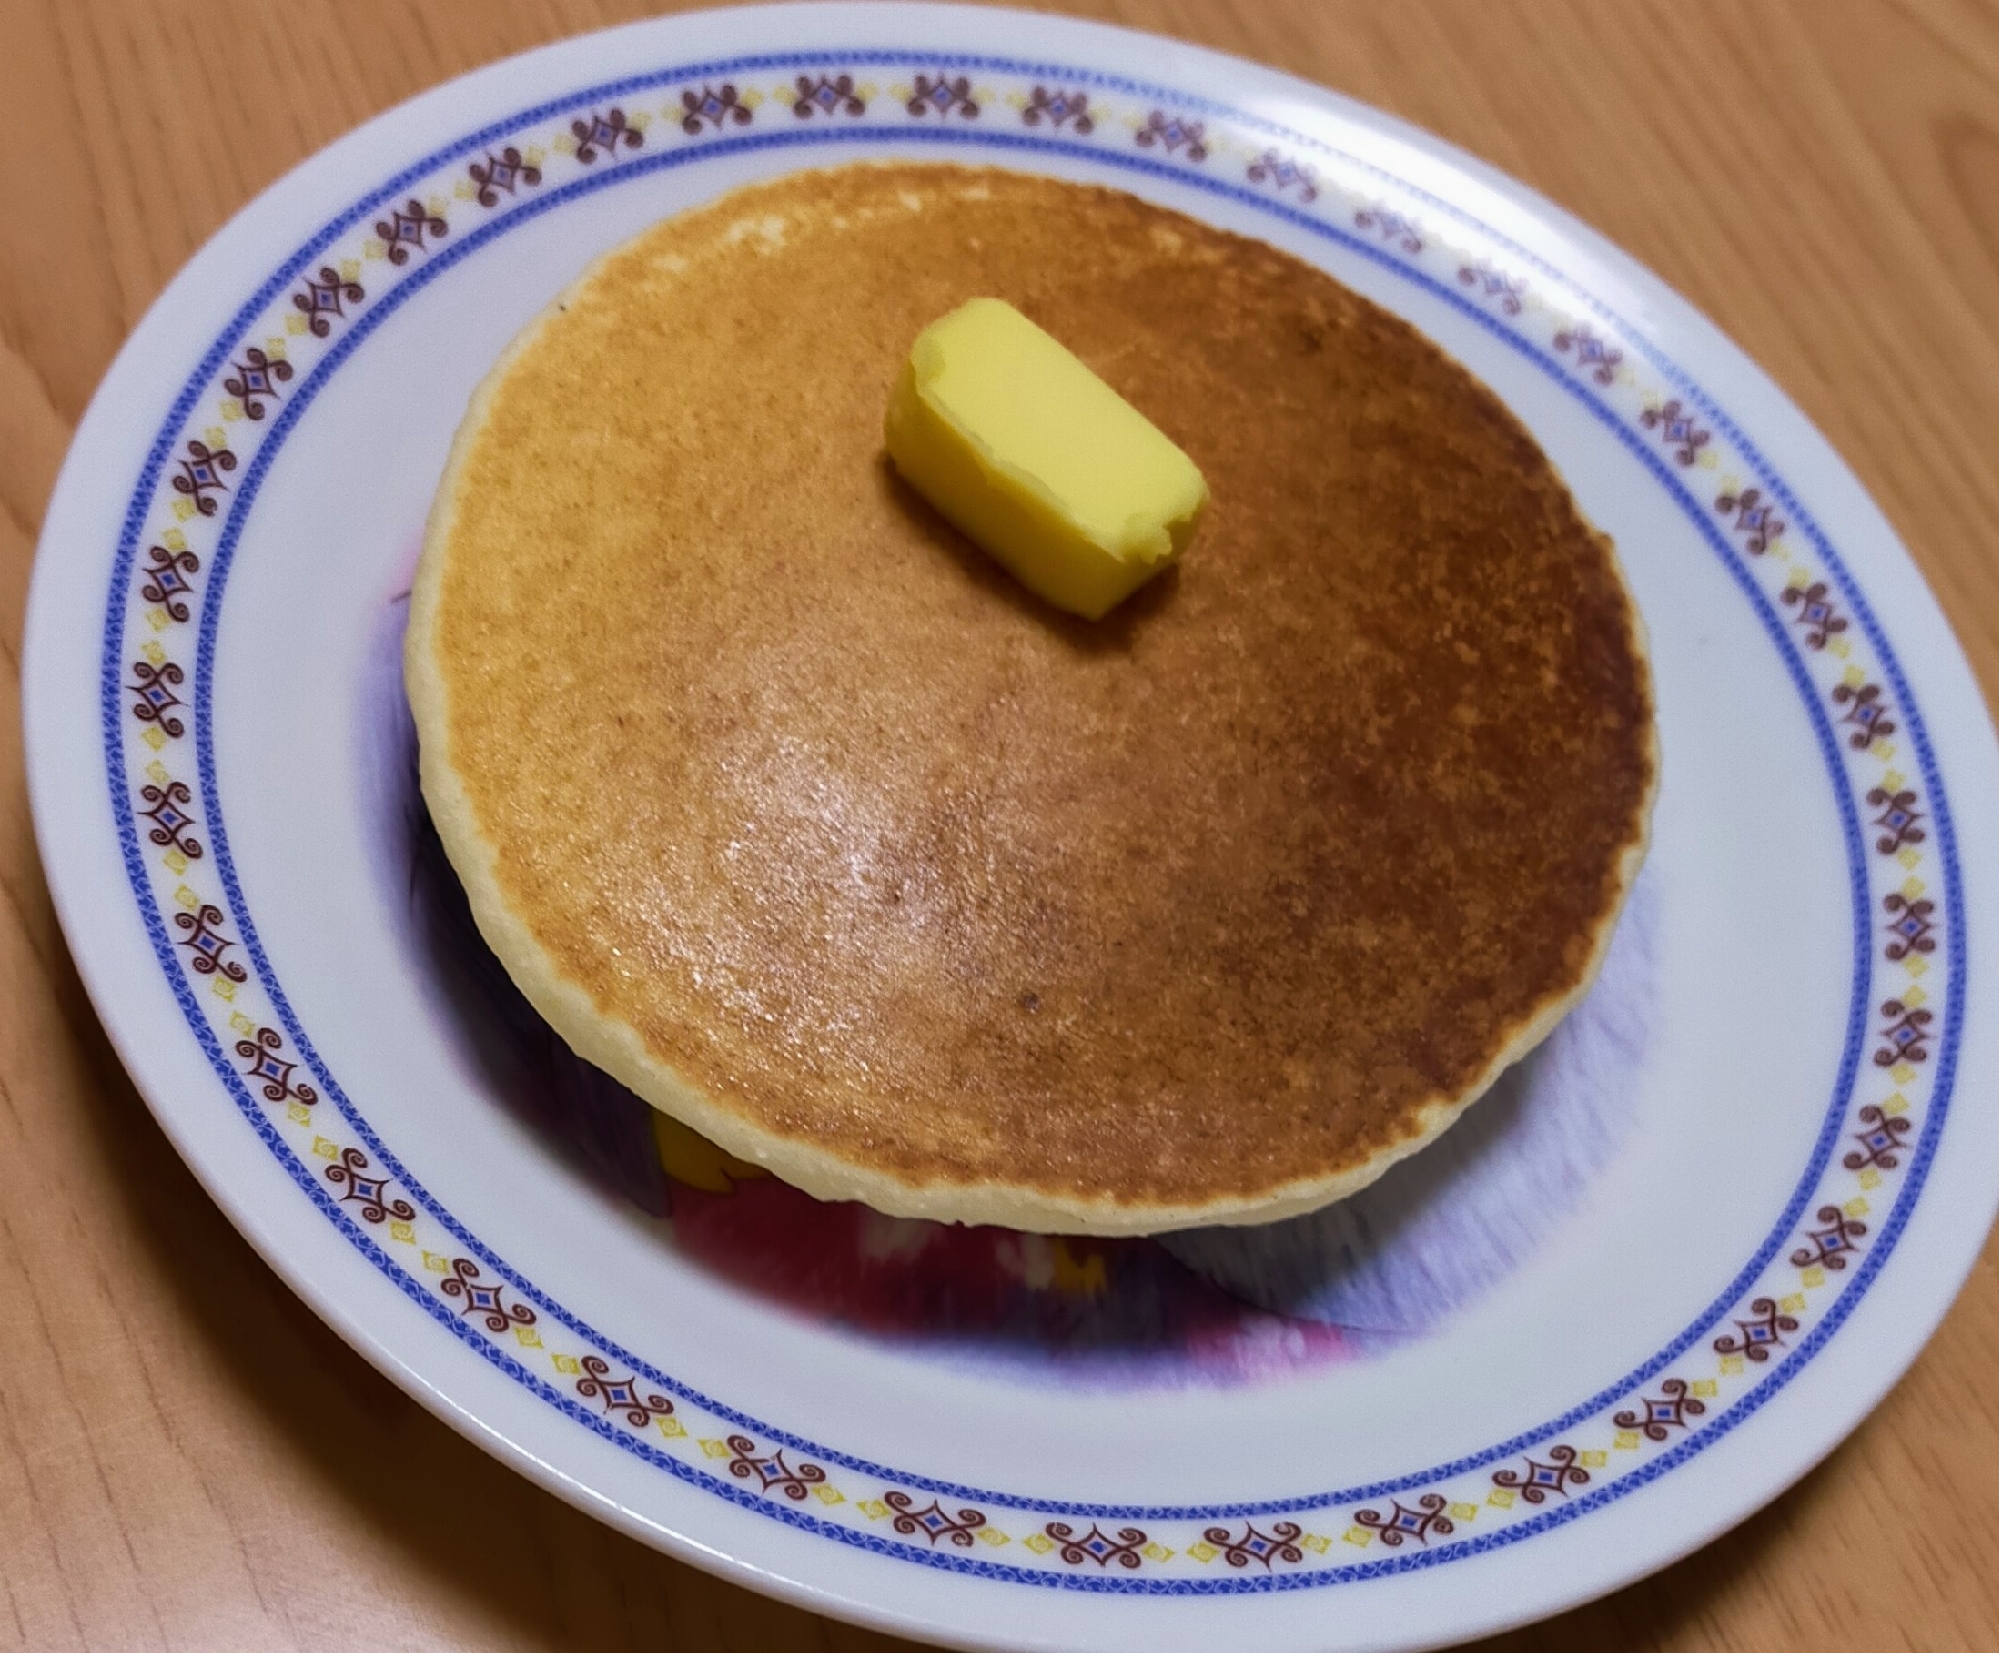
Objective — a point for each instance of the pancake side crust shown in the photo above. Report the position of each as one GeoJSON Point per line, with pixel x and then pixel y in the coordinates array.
{"type": "Point", "coordinates": [918, 894]}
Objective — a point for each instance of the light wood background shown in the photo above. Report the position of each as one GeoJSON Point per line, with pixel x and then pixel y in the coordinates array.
{"type": "Point", "coordinates": [189, 1459]}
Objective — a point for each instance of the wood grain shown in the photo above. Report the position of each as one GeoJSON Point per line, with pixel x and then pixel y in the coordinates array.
{"type": "Point", "coordinates": [188, 1458]}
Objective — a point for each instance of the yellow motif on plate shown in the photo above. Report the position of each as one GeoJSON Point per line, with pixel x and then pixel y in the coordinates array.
{"type": "Point", "coordinates": [691, 1158]}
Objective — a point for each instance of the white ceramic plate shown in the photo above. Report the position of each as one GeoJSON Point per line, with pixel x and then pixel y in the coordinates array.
{"type": "Point", "coordinates": [1634, 1295]}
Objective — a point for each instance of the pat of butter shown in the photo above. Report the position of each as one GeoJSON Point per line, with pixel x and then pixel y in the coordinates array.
{"type": "Point", "coordinates": [1029, 453]}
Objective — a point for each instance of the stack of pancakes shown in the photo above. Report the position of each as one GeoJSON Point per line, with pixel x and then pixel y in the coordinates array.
{"type": "Point", "coordinates": [795, 813]}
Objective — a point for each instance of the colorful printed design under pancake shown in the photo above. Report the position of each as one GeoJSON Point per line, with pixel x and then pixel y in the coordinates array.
{"type": "Point", "coordinates": [239, 407]}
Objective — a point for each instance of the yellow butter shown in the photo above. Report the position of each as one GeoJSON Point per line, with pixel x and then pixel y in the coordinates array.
{"type": "Point", "coordinates": [1029, 453]}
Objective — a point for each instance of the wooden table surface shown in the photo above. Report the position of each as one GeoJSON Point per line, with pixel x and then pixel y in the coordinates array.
{"type": "Point", "coordinates": [188, 1458]}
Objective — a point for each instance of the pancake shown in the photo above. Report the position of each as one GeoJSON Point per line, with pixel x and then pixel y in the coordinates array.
{"type": "Point", "coordinates": [793, 812]}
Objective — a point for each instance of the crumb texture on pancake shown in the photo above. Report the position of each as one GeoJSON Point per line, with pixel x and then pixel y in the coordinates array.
{"type": "Point", "coordinates": [789, 808]}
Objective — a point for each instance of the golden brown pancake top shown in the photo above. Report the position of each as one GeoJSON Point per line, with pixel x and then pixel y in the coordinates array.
{"type": "Point", "coordinates": [882, 854]}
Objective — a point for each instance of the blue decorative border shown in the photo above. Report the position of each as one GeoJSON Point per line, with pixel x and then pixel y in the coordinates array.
{"type": "Point", "coordinates": [988, 139]}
